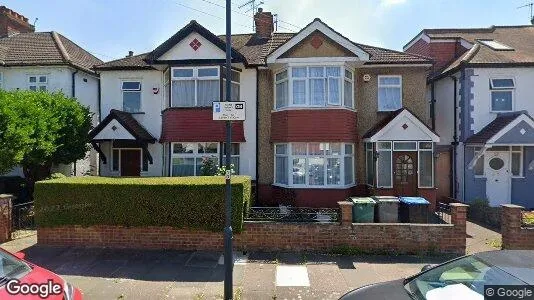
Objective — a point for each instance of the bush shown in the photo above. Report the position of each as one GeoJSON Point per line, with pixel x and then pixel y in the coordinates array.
{"type": "Point", "coordinates": [481, 211]}
{"type": "Point", "coordinates": [56, 176]}
{"type": "Point", "coordinates": [182, 202]}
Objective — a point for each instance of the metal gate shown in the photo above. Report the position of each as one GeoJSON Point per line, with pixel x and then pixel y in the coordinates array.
{"type": "Point", "coordinates": [23, 216]}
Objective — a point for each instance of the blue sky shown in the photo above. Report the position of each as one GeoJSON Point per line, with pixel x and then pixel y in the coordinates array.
{"type": "Point", "coordinates": [109, 28]}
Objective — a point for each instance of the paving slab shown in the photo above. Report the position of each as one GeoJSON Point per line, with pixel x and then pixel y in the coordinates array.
{"type": "Point", "coordinates": [259, 277]}
{"type": "Point", "coordinates": [292, 276]}
{"type": "Point", "coordinates": [326, 278]}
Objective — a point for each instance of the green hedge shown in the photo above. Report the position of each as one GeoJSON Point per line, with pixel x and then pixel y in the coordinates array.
{"type": "Point", "coordinates": [182, 202]}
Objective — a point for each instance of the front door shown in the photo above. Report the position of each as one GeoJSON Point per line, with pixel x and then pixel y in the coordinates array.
{"type": "Point", "coordinates": [130, 162]}
{"type": "Point", "coordinates": [405, 173]}
{"type": "Point", "coordinates": [498, 178]}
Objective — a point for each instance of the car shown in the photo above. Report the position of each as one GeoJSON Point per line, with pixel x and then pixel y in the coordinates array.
{"type": "Point", "coordinates": [462, 278]}
{"type": "Point", "coordinates": [20, 279]}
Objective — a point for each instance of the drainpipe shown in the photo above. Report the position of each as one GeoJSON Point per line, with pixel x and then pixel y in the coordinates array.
{"type": "Point", "coordinates": [257, 131]}
{"type": "Point", "coordinates": [74, 96]}
{"type": "Point", "coordinates": [455, 138]}
{"type": "Point", "coordinates": [433, 105]}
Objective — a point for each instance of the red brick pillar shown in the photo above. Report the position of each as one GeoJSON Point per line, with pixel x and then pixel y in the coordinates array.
{"type": "Point", "coordinates": [5, 217]}
{"type": "Point", "coordinates": [346, 212]}
{"type": "Point", "coordinates": [459, 220]}
{"type": "Point", "coordinates": [510, 225]}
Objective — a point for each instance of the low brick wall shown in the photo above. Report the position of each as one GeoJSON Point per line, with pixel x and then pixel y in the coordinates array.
{"type": "Point", "coordinates": [514, 236]}
{"type": "Point", "coordinates": [272, 236]}
{"type": "Point", "coordinates": [6, 207]}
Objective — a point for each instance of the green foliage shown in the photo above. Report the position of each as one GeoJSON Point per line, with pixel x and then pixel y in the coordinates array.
{"type": "Point", "coordinates": [182, 202]}
{"type": "Point", "coordinates": [39, 129]}
{"type": "Point", "coordinates": [56, 176]}
{"type": "Point", "coordinates": [221, 171]}
{"type": "Point", "coordinates": [208, 167]}
{"type": "Point", "coordinates": [481, 211]}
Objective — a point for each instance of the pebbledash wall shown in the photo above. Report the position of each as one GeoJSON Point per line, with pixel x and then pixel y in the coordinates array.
{"type": "Point", "coordinates": [271, 236]}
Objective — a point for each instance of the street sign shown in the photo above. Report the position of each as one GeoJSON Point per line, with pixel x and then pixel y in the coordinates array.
{"type": "Point", "coordinates": [229, 111]}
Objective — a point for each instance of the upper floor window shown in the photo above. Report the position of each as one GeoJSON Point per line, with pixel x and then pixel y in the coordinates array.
{"type": "Point", "coordinates": [314, 86]}
{"type": "Point", "coordinates": [131, 96]}
{"type": "Point", "coordinates": [194, 86]}
{"type": "Point", "coordinates": [502, 94]}
{"type": "Point", "coordinates": [389, 93]}
{"type": "Point", "coordinates": [38, 82]}
{"type": "Point", "coordinates": [236, 81]}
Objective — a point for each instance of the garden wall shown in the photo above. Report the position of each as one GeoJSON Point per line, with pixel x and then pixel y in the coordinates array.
{"type": "Point", "coordinates": [514, 234]}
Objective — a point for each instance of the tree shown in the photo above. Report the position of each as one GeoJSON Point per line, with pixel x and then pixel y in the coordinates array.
{"type": "Point", "coordinates": [40, 129]}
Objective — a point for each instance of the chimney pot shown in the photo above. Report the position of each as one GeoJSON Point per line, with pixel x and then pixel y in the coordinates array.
{"type": "Point", "coordinates": [130, 53]}
{"type": "Point", "coordinates": [264, 23]}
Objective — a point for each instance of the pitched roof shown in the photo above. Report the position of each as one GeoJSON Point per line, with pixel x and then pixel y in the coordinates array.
{"type": "Point", "coordinates": [44, 48]}
{"type": "Point", "coordinates": [390, 117]}
{"type": "Point", "coordinates": [501, 121]}
{"type": "Point", "coordinates": [128, 122]}
{"type": "Point", "coordinates": [255, 50]}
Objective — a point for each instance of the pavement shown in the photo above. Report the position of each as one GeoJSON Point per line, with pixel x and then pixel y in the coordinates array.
{"type": "Point", "coordinates": [164, 274]}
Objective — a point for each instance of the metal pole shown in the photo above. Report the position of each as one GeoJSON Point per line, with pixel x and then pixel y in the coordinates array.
{"type": "Point", "coordinates": [228, 256]}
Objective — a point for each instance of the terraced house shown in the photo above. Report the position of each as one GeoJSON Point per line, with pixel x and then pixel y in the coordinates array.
{"type": "Point", "coordinates": [327, 117]}
{"type": "Point", "coordinates": [481, 91]}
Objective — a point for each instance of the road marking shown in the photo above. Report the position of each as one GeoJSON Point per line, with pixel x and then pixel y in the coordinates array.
{"type": "Point", "coordinates": [292, 276]}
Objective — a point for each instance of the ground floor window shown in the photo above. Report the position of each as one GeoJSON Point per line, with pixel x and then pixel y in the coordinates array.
{"type": "Point", "coordinates": [516, 160]}
{"type": "Point", "coordinates": [200, 159]}
{"type": "Point", "coordinates": [384, 167]}
{"type": "Point", "coordinates": [314, 164]}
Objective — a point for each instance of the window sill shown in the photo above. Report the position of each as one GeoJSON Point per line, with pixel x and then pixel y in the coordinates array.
{"type": "Point", "coordinates": [518, 177]}
{"type": "Point", "coordinates": [501, 111]}
{"type": "Point", "coordinates": [313, 108]}
{"type": "Point", "coordinates": [323, 187]}
{"type": "Point", "coordinates": [137, 113]}
{"type": "Point", "coordinates": [387, 111]}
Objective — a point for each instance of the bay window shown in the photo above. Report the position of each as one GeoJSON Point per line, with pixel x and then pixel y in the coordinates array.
{"type": "Point", "coordinates": [314, 164]}
{"type": "Point", "coordinates": [194, 87]}
{"type": "Point", "coordinates": [389, 93]}
{"type": "Point", "coordinates": [187, 159]}
{"type": "Point", "coordinates": [314, 86]}
{"type": "Point", "coordinates": [236, 81]}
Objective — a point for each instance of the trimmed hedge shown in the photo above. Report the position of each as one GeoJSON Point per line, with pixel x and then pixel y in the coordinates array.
{"type": "Point", "coordinates": [182, 202]}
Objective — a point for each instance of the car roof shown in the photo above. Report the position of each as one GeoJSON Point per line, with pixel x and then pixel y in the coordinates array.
{"type": "Point", "coordinates": [518, 263]}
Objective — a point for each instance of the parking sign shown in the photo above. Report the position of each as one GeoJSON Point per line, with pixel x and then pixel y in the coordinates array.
{"type": "Point", "coordinates": [229, 111]}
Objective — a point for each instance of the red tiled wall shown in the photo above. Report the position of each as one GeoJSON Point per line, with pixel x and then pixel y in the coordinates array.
{"type": "Point", "coordinates": [443, 53]}
{"type": "Point", "coordinates": [307, 125]}
{"type": "Point", "coordinates": [196, 125]}
{"type": "Point", "coordinates": [420, 47]}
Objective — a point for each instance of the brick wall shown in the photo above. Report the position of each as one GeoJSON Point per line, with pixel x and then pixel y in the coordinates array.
{"type": "Point", "coordinates": [514, 236]}
{"type": "Point", "coordinates": [271, 236]}
{"type": "Point", "coordinates": [6, 208]}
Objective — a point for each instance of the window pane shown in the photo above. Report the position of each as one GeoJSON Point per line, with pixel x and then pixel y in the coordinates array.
{"type": "Point", "coordinates": [145, 162]}
{"type": "Point", "coordinates": [316, 171]}
{"type": "Point", "coordinates": [348, 74]}
{"type": "Point", "coordinates": [299, 171]}
{"type": "Point", "coordinates": [207, 92]}
{"type": "Point", "coordinates": [299, 92]}
{"type": "Point", "coordinates": [235, 162]}
{"type": "Point", "coordinates": [333, 71]}
{"type": "Point", "coordinates": [33, 88]}
{"type": "Point", "coordinates": [42, 79]}
{"type": "Point", "coordinates": [516, 164]}
{"type": "Point", "coordinates": [333, 171]}
{"type": "Point", "coordinates": [281, 170]}
{"type": "Point", "coordinates": [348, 94]}
{"type": "Point", "coordinates": [298, 72]}
{"type": "Point", "coordinates": [115, 163]}
{"type": "Point", "coordinates": [33, 79]}
{"type": "Point", "coordinates": [383, 145]}
{"type": "Point", "coordinates": [349, 174]}
{"type": "Point", "coordinates": [183, 148]}
{"type": "Point", "coordinates": [502, 83]}
{"type": "Point", "coordinates": [298, 148]}
{"type": "Point", "coordinates": [200, 161]}
{"type": "Point", "coordinates": [501, 100]}
{"type": "Point", "coordinates": [425, 169]}
{"type": "Point", "coordinates": [131, 85]}
{"type": "Point", "coordinates": [333, 148]}
{"type": "Point", "coordinates": [281, 149]}
{"type": "Point", "coordinates": [316, 71]}
{"type": "Point", "coordinates": [334, 94]}
{"type": "Point", "coordinates": [385, 80]}
{"type": "Point", "coordinates": [234, 149]}
{"type": "Point", "coordinates": [182, 72]}
{"type": "Point", "coordinates": [317, 92]}
{"type": "Point", "coordinates": [208, 72]}
{"type": "Point", "coordinates": [131, 101]}
{"type": "Point", "coordinates": [425, 145]}
{"type": "Point", "coordinates": [236, 76]}
{"type": "Point", "coordinates": [384, 168]}
{"type": "Point", "coordinates": [183, 166]}
{"type": "Point", "coordinates": [42, 88]}
{"type": "Point", "coordinates": [370, 167]}
{"type": "Point", "coordinates": [348, 149]}
{"type": "Point", "coordinates": [207, 147]}
{"type": "Point", "coordinates": [281, 94]}
{"type": "Point", "coordinates": [369, 146]}
{"type": "Point", "coordinates": [389, 98]}
{"type": "Point", "coordinates": [478, 169]}
{"type": "Point", "coordinates": [516, 148]}
{"type": "Point", "coordinates": [183, 93]}
{"type": "Point", "coordinates": [235, 91]}
{"type": "Point", "coordinates": [405, 146]}
{"type": "Point", "coordinates": [281, 75]}
{"type": "Point", "coordinates": [316, 148]}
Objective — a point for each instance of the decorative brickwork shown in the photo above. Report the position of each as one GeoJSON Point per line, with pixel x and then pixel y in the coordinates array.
{"type": "Point", "coordinates": [514, 236]}
{"type": "Point", "coordinates": [271, 236]}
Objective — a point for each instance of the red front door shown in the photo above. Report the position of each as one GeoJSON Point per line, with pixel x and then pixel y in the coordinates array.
{"type": "Point", "coordinates": [130, 162]}
{"type": "Point", "coordinates": [405, 173]}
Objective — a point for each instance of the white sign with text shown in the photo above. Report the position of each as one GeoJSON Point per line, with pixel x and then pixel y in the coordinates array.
{"type": "Point", "coordinates": [229, 111]}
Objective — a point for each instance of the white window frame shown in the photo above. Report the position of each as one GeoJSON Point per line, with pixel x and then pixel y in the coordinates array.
{"type": "Point", "coordinates": [502, 89]}
{"type": "Point", "coordinates": [306, 184]}
{"type": "Point", "coordinates": [419, 150]}
{"type": "Point", "coordinates": [195, 155]}
{"type": "Point", "coordinates": [118, 171]}
{"type": "Point", "coordinates": [328, 104]}
{"type": "Point", "coordinates": [140, 90]}
{"type": "Point", "coordinates": [477, 150]}
{"type": "Point", "coordinates": [37, 84]}
{"type": "Point", "coordinates": [389, 86]}
{"type": "Point", "coordinates": [390, 151]}
{"type": "Point", "coordinates": [521, 158]}
{"type": "Point", "coordinates": [195, 78]}
{"type": "Point", "coordinates": [369, 154]}
{"type": "Point", "coordinates": [223, 81]}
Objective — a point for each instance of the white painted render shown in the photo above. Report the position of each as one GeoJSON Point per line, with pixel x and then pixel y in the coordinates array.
{"type": "Point", "coordinates": [524, 89]}
{"type": "Point", "coordinates": [247, 159]}
{"type": "Point", "coordinates": [395, 131]}
{"type": "Point", "coordinates": [183, 50]}
{"type": "Point", "coordinates": [114, 131]}
{"type": "Point", "coordinates": [444, 109]}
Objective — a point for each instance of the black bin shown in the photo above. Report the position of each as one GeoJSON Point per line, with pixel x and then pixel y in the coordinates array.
{"type": "Point", "coordinates": [414, 210]}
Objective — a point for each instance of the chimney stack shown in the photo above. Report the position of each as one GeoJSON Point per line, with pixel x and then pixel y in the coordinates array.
{"type": "Point", "coordinates": [12, 23]}
{"type": "Point", "coordinates": [264, 23]}
{"type": "Point", "coordinates": [130, 53]}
